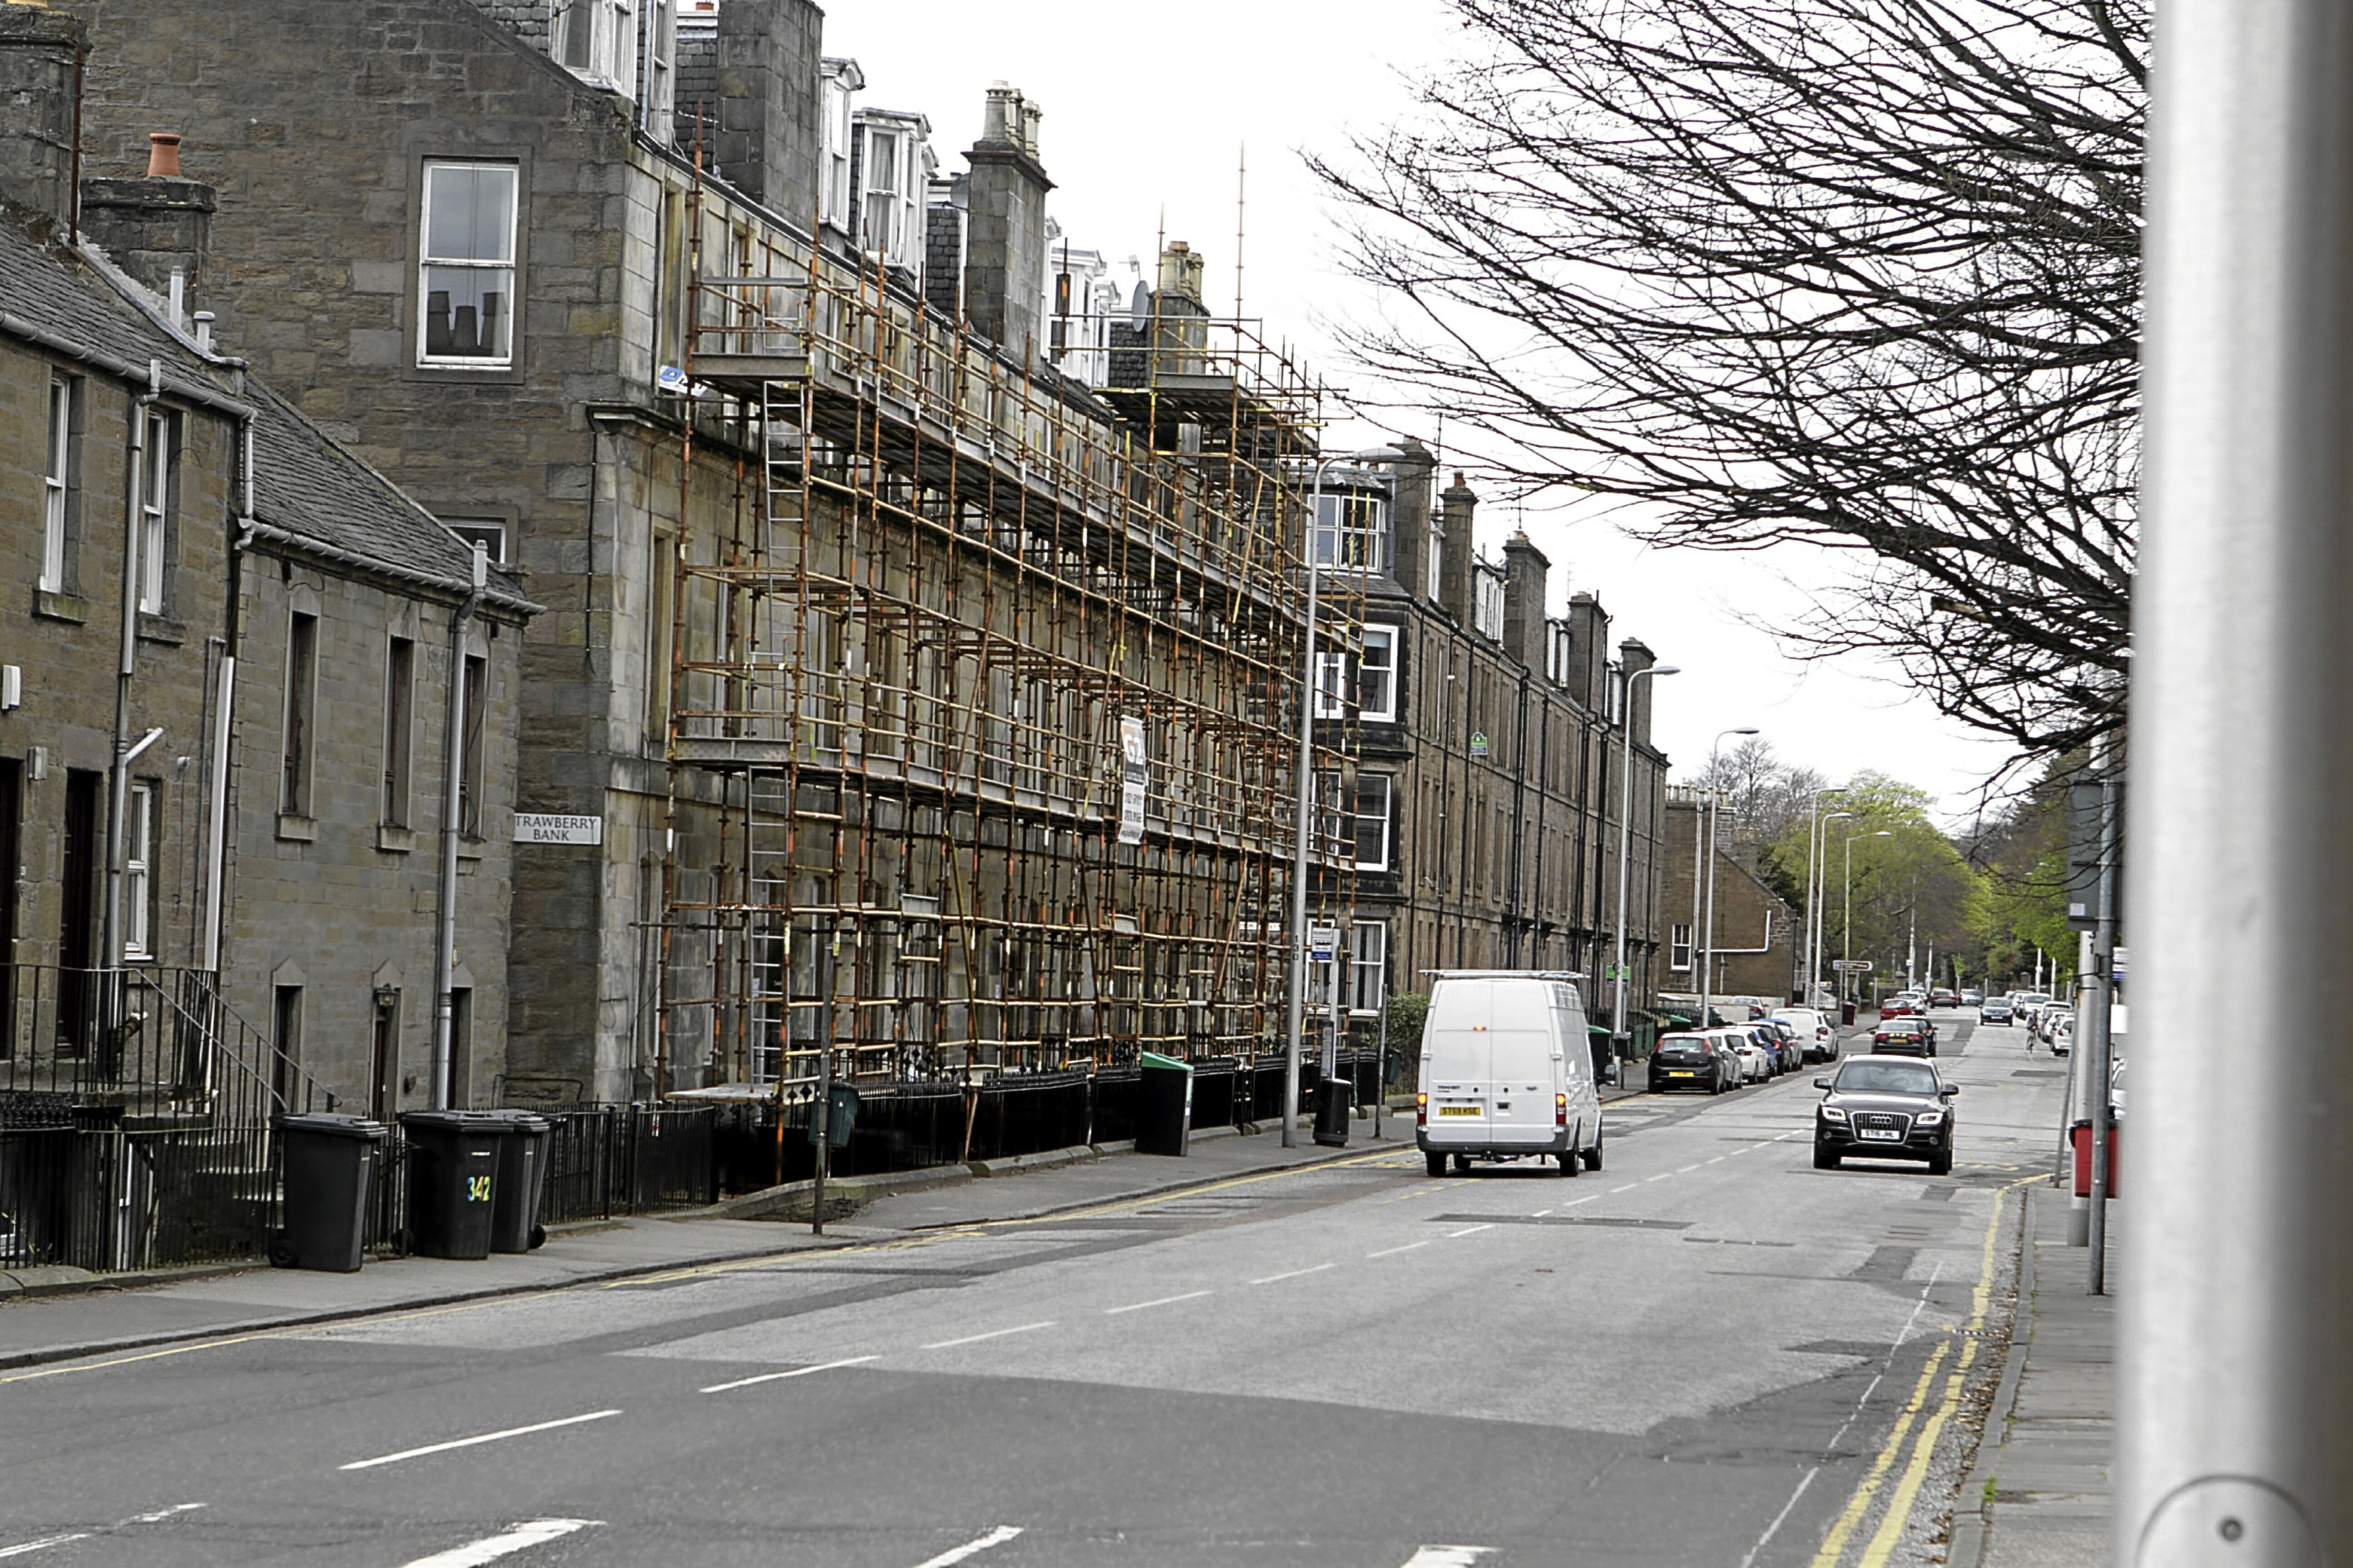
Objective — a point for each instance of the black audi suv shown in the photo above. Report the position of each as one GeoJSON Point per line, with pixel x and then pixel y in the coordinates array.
{"type": "Point", "coordinates": [1885, 1108]}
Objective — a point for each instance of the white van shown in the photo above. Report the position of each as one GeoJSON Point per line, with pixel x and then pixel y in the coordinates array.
{"type": "Point", "coordinates": [1506, 1071]}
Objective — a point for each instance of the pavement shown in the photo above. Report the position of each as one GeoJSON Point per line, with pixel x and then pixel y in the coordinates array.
{"type": "Point", "coordinates": [1706, 1353]}
{"type": "Point", "coordinates": [72, 1313]}
{"type": "Point", "coordinates": [2040, 1484]}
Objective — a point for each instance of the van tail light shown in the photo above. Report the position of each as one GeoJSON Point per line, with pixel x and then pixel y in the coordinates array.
{"type": "Point", "coordinates": [1560, 1111]}
{"type": "Point", "coordinates": [1421, 1110]}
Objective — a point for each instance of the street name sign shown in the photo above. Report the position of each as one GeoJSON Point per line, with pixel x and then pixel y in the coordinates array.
{"type": "Point", "coordinates": [548, 828]}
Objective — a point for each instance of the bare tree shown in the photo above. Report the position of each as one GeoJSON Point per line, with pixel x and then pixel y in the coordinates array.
{"type": "Point", "coordinates": [1862, 274]}
{"type": "Point", "coordinates": [1763, 797]}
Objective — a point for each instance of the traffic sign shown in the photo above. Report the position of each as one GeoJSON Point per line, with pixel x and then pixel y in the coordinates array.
{"type": "Point", "coordinates": [1853, 966]}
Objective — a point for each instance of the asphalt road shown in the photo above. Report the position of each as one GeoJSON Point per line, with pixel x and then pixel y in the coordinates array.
{"type": "Point", "coordinates": [1707, 1353]}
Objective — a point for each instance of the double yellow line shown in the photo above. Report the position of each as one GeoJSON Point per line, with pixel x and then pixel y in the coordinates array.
{"type": "Point", "coordinates": [1884, 1540]}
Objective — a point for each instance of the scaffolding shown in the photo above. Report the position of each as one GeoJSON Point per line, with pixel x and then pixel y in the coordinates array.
{"type": "Point", "coordinates": [901, 678]}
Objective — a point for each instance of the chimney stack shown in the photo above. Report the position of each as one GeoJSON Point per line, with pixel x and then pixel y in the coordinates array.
{"type": "Point", "coordinates": [38, 48]}
{"type": "Point", "coordinates": [1455, 563]}
{"type": "Point", "coordinates": [1588, 657]}
{"type": "Point", "coordinates": [769, 135]}
{"type": "Point", "coordinates": [1005, 240]}
{"type": "Point", "coordinates": [1526, 574]}
{"type": "Point", "coordinates": [1410, 497]}
{"type": "Point", "coordinates": [157, 226]}
{"type": "Point", "coordinates": [1632, 657]}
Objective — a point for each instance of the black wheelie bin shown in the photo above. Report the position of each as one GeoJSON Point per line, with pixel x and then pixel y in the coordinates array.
{"type": "Point", "coordinates": [453, 1168]}
{"type": "Point", "coordinates": [522, 1178]}
{"type": "Point", "coordinates": [1164, 1110]}
{"type": "Point", "coordinates": [330, 1163]}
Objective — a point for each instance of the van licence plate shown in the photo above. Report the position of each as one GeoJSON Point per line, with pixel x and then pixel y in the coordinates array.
{"type": "Point", "coordinates": [1459, 1110]}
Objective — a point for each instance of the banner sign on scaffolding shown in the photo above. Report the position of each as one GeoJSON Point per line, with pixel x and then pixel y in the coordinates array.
{"type": "Point", "coordinates": [1133, 782]}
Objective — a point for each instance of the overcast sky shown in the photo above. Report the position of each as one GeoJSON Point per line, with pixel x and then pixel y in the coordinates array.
{"type": "Point", "coordinates": [1149, 111]}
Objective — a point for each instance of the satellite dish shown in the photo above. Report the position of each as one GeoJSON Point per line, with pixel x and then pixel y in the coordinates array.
{"type": "Point", "coordinates": [1139, 309]}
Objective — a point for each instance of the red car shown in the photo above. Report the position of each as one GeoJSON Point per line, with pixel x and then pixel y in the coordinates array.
{"type": "Point", "coordinates": [1898, 1006]}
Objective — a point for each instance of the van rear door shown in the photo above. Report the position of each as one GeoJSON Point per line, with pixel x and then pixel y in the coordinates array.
{"type": "Point", "coordinates": [1455, 1061]}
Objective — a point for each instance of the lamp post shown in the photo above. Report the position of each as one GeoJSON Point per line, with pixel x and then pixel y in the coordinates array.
{"type": "Point", "coordinates": [1623, 1038]}
{"type": "Point", "coordinates": [1296, 1012]}
{"type": "Point", "coordinates": [1846, 919]}
{"type": "Point", "coordinates": [1704, 879]}
{"type": "Point", "coordinates": [1818, 846]}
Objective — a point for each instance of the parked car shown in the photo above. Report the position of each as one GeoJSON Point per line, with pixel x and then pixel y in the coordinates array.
{"type": "Point", "coordinates": [1885, 1107]}
{"type": "Point", "coordinates": [1815, 1032]}
{"type": "Point", "coordinates": [1896, 1006]}
{"type": "Point", "coordinates": [2028, 1006]}
{"type": "Point", "coordinates": [1756, 1062]}
{"type": "Point", "coordinates": [1506, 1072]}
{"type": "Point", "coordinates": [2059, 1032]}
{"type": "Point", "coordinates": [1997, 1010]}
{"type": "Point", "coordinates": [1903, 1037]}
{"type": "Point", "coordinates": [1793, 1044]}
{"type": "Point", "coordinates": [1693, 1061]}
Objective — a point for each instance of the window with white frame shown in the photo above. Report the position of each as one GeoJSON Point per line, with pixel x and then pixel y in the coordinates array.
{"type": "Point", "coordinates": [1488, 613]}
{"type": "Point", "coordinates": [489, 533]}
{"type": "Point", "coordinates": [1351, 530]}
{"type": "Point", "coordinates": [138, 881]}
{"type": "Point", "coordinates": [597, 40]}
{"type": "Point", "coordinates": [883, 167]}
{"type": "Point", "coordinates": [838, 83]}
{"type": "Point", "coordinates": [1331, 684]}
{"type": "Point", "coordinates": [156, 488]}
{"type": "Point", "coordinates": [56, 486]}
{"type": "Point", "coordinates": [1376, 671]}
{"type": "Point", "coordinates": [1679, 948]}
{"type": "Point", "coordinates": [1368, 966]}
{"type": "Point", "coordinates": [661, 56]}
{"type": "Point", "coordinates": [468, 275]}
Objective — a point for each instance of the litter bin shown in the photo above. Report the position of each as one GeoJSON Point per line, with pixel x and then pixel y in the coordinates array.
{"type": "Point", "coordinates": [329, 1170]}
{"type": "Point", "coordinates": [2080, 1135]}
{"type": "Point", "coordinates": [1163, 1118]}
{"type": "Point", "coordinates": [453, 1169]}
{"type": "Point", "coordinates": [1332, 1107]}
{"type": "Point", "coordinates": [521, 1177]}
{"type": "Point", "coordinates": [840, 1116]}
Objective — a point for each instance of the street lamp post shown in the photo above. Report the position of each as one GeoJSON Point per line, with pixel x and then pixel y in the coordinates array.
{"type": "Point", "coordinates": [1846, 918]}
{"type": "Point", "coordinates": [1623, 1038]}
{"type": "Point", "coordinates": [1818, 845]}
{"type": "Point", "coordinates": [1703, 880]}
{"type": "Point", "coordinates": [1295, 1018]}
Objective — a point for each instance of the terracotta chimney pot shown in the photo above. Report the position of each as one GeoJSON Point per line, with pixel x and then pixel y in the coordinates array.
{"type": "Point", "coordinates": [163, 155]}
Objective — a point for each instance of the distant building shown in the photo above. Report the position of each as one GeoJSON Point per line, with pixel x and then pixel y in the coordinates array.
{"type": "Point", "coordinates": [1757, 932]}
{"type": "Point", "coordinates": [1491, 773]}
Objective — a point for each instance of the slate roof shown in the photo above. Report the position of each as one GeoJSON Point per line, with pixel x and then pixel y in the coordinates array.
{"type": "Point", "coordinates": [306, 487]}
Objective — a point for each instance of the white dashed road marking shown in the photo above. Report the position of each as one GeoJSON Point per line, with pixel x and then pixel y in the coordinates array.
{"type": "Point", "coordinates": [992, 1334]}
{"type": "Point", "coordinates": [972, 1548]}
{"type": "Point", "coordinates": [797, 1371]}
{"type": "Point", "coordinates": [491, 1548]}
{"type": "Point", "coordinates": [1162, 1301]}
{"type": "Point", "coordinates": [470, 1442]}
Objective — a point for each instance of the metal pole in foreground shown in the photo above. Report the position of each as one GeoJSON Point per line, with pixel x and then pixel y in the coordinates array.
{"type": "Point", "coordinates": [2235, 1370]}
{"type": "Point", "coordinates": [1621, 1042]}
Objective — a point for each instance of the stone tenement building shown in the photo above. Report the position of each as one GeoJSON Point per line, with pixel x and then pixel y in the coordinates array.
{"type": "Point", "coordinates": [1492, 765]}
{"type": "Point", "coordinates": [903, 694]}
{"type": "Point", "coordinates": [232, 652]}
{"type": "Point", "coordinates": [1757, 932]}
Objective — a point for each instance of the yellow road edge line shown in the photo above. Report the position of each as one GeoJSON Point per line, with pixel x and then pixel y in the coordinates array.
{"type": "Point", "coordinates": [1899, 1501]}
{"type": "Point", "coordinates": [1834, 1545]}
{"type": "Point", "coordinates": [1890, 1528]}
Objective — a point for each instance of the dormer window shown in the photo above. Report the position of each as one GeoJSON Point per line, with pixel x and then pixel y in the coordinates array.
{"type": "Point", "coordinates": [597, 40]}
{"type": "Point", "coordinates": [880, 232]}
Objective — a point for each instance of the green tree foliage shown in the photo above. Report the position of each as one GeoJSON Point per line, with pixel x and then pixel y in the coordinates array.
{"type": "Point", "coordinates": [2022, 859]}
{"type": "Point", "coordinates": [1912, 891]}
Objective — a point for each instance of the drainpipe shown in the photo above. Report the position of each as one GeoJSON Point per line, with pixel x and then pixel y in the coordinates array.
{"type": "Point", "coordinates": [453, 768]}
{"type": "Point", "coordinates": [224, 699]}
{"type": "Point", "coordinates": [126, 666]}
